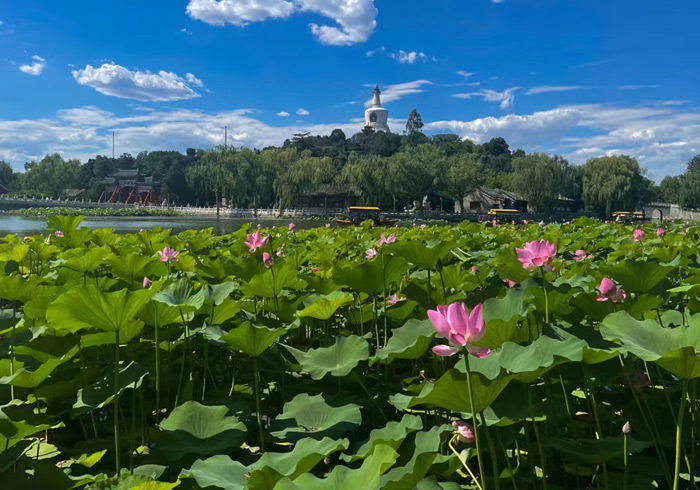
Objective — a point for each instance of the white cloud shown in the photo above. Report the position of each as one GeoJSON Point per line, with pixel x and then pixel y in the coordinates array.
{"type": "Point", "coordinates": [35, 68]}
{"type": "Point", "coordinates": [184, 30]}
{"type": "Point", "coordinates": [409, 57]}
{"type": "Point", "coordinates": [391, 93]}
{"type": "Point", "coordinates": [498, 1]}
{"type": "Point", "coordinates": [375, 51]}
{"type": "Point", "coordinates": [539, 127]}
{"type": "Point", "coordinates": [675, 102]}
{"type": "Point", "coordinates": [465, 74]}
{"type": "Point", "coordinates": [635, 87]}
{"type": "Point", "coordinates": [545, 89]}
{"type": "Point", "coordinates": [283, 114]}
{"type": "Point", "coordinates": [238, 12]}
{"type": "Point", "coordinates": [506, 98]}
{"type": "Point", "coordinates": [117, 81]}
{"type": "Point", "coordinates": [193, 80]}
{"type": "Point", "coordinates": [356, 19]}
{"type": "Point", "coordinates": [303, 112]}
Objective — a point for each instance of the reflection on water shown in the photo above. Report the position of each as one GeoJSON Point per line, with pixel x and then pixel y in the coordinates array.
{"type": "Point", "coordinates": [21, 225]}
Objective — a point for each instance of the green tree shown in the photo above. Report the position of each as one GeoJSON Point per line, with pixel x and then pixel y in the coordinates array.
{"type": "Point", "coordinates": [670, 189]}
{"type": "Point", "coordinates": [465, 173]}
{"type": "Point", "coordinates": [693, 165]}
{"type": "Point", "coordinates": [539, 178]}
{"type": "Point", "coordinates": [303, 177]}
{"type": "Point", "coordinates": [51, 176]}
{"type": "Point", "coordinates": [414, 123]}
{"type": "Point", "coordinates": [614, 183]}
{"type": "Point", "coordinates": [8, 178]}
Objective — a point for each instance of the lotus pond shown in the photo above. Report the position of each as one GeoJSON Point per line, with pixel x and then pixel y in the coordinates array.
{"type": "Point", "coordinates": [285, 359]}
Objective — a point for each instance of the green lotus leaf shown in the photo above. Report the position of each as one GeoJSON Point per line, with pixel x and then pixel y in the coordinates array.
{"type": "Point", "coordinates": [17, 421]}
{"type": "Point", "coordinates": [63, 223]}
{"type": "Point", "coordinates": [544, 352]}
{"type": "Point", "coordinates": [252, 339]}
{"type": "Point", "coordinates": [392, 435]}
{"type": "Point", "coordinates": [367, 277]}
{"type": "Point", "coordinates": [218, 293]}
{"type": "Point", "coordinates": [18, 288]}
{"type": "Point", "coordinates": [674, 349]}
{"type": "Point", "coordinates": [311, 416]}
{"type": "Point", "coordinates": [268, 286]}
{"type": "Point", "coordinates": [218, 472]}
{"type": "Point", "coordinates": [224, 311]}
{"type": "Point", "coordinates": [88, 260]}
{"type": "Point", "coordinates": [324, 307]}
{"type": "Point", "coordinates": [408, 342]}
{"type": "Point", "coordinates": [337, 360]}
{"type": "Point", "coordinates": [26, 378]}
{"type": "Point", "coordinates": [638, 276]}
{"type": "Point", "coordinates": [182, 295]}
{"type": "Point", "coordinates": [504, 318]}
{"type": "Point", "coordinates": [132, 482]}
{"type": "Point", "coordinates": [194, 428]}
{"type": "Point", "coordinates": [426, 450]}
{"type": "Point", "coordinates": [307, 453]}
{"type": "Point", "coordinates": [451, 392]}
{"type": "Point", "coordinates": [130, 266]}
{"type": "Point", "coordinates": [424, 256]}
{"type": "Point", "coordinates": [367, 476]}
{"type": "Point", "coordinates": [16, 253]}
{"type": "Point", "coordinates": [90, 307]}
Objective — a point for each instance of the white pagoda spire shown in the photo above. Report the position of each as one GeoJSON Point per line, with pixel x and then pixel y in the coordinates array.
{"type": "Point", "coordinates": [376, 117]}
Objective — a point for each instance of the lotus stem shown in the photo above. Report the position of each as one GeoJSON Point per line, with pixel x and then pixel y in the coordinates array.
{"type": "Point", "coordinates": [546, 297]}
{"type": "Point", "coordinates": [257, 403]}
{"type": "Point", "coordinates": [157, 341]}
{"type": "Point", "coordinates": [116, 401]}
{"type": "Point", "coordinates": [386, 330]}
{"type": "Point", "coordinates": [625, 455]}
{"type": "Point", "coordinates": [482, 473]}
{"type": "Point", "coordinates": [596, 419]}
{"type": "Point", "coordinates": [492, 451]}
{"type": "Point", "coordinates": [376, 404]}
{"type": "Point", "coordinates": [679, 434]}
{"type": "Point", "coordinates": [540, 448]}
{"type": "Point", "coordinates": [464, 463]}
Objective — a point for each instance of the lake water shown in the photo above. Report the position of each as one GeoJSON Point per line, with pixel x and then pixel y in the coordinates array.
{"type": "Point", "coordinates": [22, 225]}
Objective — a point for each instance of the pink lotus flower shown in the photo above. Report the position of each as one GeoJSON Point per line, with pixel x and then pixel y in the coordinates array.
{"type": "Point", "coordinates": [423, 227]}
{"type": "Point", "coordinates": [268, 260]}
{"type": "Point", "coordinates": [371, 253]}
{"type": "Point", "coordinates": [147, 283]}
{"type": "Point", "coordinates": [661, 233]}
{"type": "Point", "coordinates": [415, 224]}
{"type": "Point", "coordinates": [292, 227]}
{"type": "Point", "coordinates": [386, 240]}
{"type": "Point", "coordinates": [256, 241]}
{"type": "Point", "coordinates": [464, 432]}
{"type": "Point", "coordinates": [372, 224]}
{"type": "Point", "coordinates": [58, 233]}
{"type": "Point", "coordinates": [626, 429]}
{"type": "Point", "coordinates": [537, 254]}
{"type": "Point", "coordinates": [510, 283]}
{"type": "Point", "coordinates": [460, 327]}
{"type": "Point", "coordinates": [638, 235]}
{"type": "Point", "coordinates": [168, 255]}
{"type": "Point", "coordinates": [394, 298]}
{"type": "Point", "coordinates": [581, 255]}
{"type": "Point", "coordinates": [328, 225]}
{"type": "Point", "coordinates": [475, 269]}
{"type": "Point", "coordinates": [608, 291]}
{"type": "Point", "coordinates": [26, 239]}
{"type": "Point", "coordinates": [525, 222]}
{"type": "Point", "coordinates": [314, 269]}
{"type": "Point", "coordinates": [279, 253]}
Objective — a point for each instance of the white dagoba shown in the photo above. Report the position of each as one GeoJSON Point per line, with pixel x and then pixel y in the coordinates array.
{"type": "Point", "coordinates": [376, 117]}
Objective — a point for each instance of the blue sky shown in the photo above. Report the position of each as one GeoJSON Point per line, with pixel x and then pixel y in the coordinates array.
{"type": "Point", "coordinates": [578, 78]}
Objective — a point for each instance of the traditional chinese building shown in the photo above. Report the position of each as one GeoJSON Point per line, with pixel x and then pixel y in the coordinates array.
{"type": "Point", "coordinates": [129, 186]}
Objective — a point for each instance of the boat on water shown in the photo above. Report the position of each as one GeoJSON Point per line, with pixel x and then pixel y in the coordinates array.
{"type": "Point", "coordinates": [357, 214]}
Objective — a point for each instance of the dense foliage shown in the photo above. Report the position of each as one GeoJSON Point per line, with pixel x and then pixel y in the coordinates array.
{"type": "Point", "coordinates": [293, 359]}
{"type": "Point", "coordinates": [390, 170]}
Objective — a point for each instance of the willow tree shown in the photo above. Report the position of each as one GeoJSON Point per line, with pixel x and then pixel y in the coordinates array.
{"type": "Point", "coordinates": [614, 183]}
